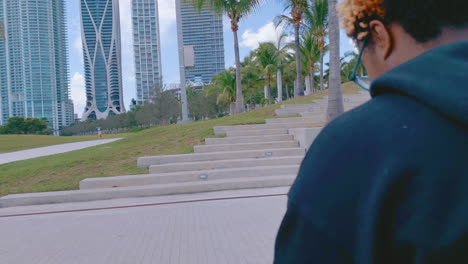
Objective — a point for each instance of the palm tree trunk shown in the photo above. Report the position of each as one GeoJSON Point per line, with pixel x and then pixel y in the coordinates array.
{"type": "Point", "coordinates": [279, 84]}
{"type": "Point", "coordinates": [322, 87]}
{"type": "Point", "coordinates": [307, 82]}
{"type": "Point", "coordinates": [299, 89]}
{"type": "Point", "coordinates": [239, 95]}
{"type": "Point", "coordinates": [335, 97]}
{"type": "Point", "coordinates": [251, 101]}
{"type": "Point", "coordinates": [311, 82]}
{"type": "Point", "coordinates": [269, 90]}
{"type": "Point", "coordinates": [287, 91]}
{"type": "Point", "coordinates": [232, 108]}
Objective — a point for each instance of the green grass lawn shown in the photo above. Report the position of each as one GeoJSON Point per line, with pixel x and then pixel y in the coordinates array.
{"type": "Point", "coordinates": [64, 171]}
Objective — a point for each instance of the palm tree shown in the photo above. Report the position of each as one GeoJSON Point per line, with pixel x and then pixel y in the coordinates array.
{"type": "Point", "coordinates": [316, 20]}
{"type": "Point", "coordinates": [267, 58]}
{"type": "Point", "coordinates": [224, 86]}
{"type": "Point", "coordinates": [310, 53]}
{"type": "Point", "coordinates": [282, 50]}
{"type": "Point", "coordinates": [235, 10]}
{"type": "Point", "coordinates": [289, 73]}
{"type": "Point", "coordinates": [251, 77]}
{"type": "Point", "coordinates": [335, 97]}
{"type": "Point", "coordinates": [297, 8]}
{"type": "Point", "coordinates": [347, 67]}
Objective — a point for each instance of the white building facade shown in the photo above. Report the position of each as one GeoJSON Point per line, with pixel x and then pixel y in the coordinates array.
{"type": "Point", "coordinates": [147, 48]}
{"type": "Point", "coordinates": [34, 79]}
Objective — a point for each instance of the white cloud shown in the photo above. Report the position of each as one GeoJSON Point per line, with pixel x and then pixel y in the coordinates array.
{"type": "Point", "coordinates": [78, 93]}
{"type": "Point", "coordinates": [126, 22]}
{"type": "Point", "coordinates": [267, 33]}
{"type": "Point", "coordinates": [167, 15]}
{"type": "Point", "coordinates": [353, 44]}
{"type": "Point", "coordinates": [77, 45]}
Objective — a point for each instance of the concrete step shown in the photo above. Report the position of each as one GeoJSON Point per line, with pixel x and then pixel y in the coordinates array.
{"type": "Point", "coordinates": [297, 125]}
{"type": "Point", "coordinates": [187, 176]}
{"type": "Point", "coordinates": [223, 164]}
{"type": "Point", "coordinates": [224, 129]}
{"type": "Point", "coordinates": [298, 111]}
{"type": "Point", "coordinates": [258, 132]}
{"type": "Point", "coordinates": [294, 112]}
{"type": "Point", "coordinates": [313, 115]}
{"type": "Point", "coordinates": [317, 107]}
{"type": "Point", "coordinates": [144, 191]}
{"type": "Point", "coordinates": [361, 97]}
{"type": "Point", "coordinates": [145, 162]}
{"type": "Point", "coordinates": [247, 139]}
{"type": "Point", "coordinates": [245, 146]}
{"type": "Point", "coordinates": [221, 130]}
{"type": "Point", "coordinates": [295, 120]}
{"type": "Point", "coordinates": [295, 106]}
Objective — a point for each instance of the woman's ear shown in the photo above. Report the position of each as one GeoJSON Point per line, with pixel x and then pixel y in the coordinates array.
{"type": "Point", "coordinates": [381, 39]}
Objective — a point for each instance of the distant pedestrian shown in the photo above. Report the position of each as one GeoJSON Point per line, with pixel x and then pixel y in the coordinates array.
{"type": "Point", "coordinates": [99, 132]}
{"type": "Point", "coordinates": [388, 181]}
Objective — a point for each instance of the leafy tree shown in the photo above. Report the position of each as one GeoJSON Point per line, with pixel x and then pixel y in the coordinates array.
{"type": "Point", "coordinates": [162, 110]}
{"type": "Point", "coordinates": [19, 125]}
{"type": "Point", "coordinates": [310, 56]}
{"type": "Point", "coordinates": [289, 75]}
{"type": "Point", "coordinates": [224, 87]}
{"type": "Point", "coordinates": [267, 58]}
{"type": "Point", "coordinates": [34, 126]}
{"type": "Point", "coordinates": [282, 56]}
{"type": "Point", "coordinates": [316, 20]}
{"type": "Point", "coordinates": [252, 79]}
{"type": "Point", "coordinates": [297, 8]}
{"type": "Point", "coordinates": [235, 10]}
{"type": "Point", "coordinates": [203, 106]}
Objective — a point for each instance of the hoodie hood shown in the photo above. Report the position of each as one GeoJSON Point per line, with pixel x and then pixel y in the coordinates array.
{"type": "Point", "coordinates": [437, 78]}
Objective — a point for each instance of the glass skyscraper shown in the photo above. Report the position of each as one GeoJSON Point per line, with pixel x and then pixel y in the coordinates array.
{"type": "Point", "coordinates": [147, 48]}
{"type": "Point", "coordinates": [102, 58]}
{"type": "Point", "coordinates": [34, 63]}
{"type": "Point", "coordinates": [204, 31]}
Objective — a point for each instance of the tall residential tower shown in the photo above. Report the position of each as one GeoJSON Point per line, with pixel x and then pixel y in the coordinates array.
{"type": "Point", "coordinates": [147, 47]}
{"type": "Point", "coordinates": [100, 31]}
{"type": "Point", "coordinates": [34, 63]}
{"type": "Point", "coordinates": [204, 31]}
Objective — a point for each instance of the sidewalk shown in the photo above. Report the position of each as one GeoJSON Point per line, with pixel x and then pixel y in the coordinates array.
{"type": "Point", "coordinates": [227, 227]}
{"type": "Point", "coordinates": [51, 150]}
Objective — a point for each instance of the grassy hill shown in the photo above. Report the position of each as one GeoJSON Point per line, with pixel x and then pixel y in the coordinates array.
{"type": "Point", "coordinates": [65, 171]}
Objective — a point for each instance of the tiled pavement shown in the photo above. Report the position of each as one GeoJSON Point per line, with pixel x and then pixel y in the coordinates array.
{"type": "Point", "coordinates": [237, 231]}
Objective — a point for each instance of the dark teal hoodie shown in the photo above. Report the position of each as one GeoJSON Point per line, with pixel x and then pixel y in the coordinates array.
{"type": "Point", "coordinates": [388, 181]}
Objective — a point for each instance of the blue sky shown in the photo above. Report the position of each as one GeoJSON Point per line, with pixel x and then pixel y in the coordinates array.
{"type": "Point", "coordinates": [258, 27]}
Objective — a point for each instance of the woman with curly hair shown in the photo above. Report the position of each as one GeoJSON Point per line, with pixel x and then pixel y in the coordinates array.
{"type": "Point", "coordinates": [388, 181]}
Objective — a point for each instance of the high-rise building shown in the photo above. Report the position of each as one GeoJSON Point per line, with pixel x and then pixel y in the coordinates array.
{"type": "Point", "coordinates": [100, 31]}
{"type": "Point", "coordinates": [147, 48]}
{"type": "Point", "coordinates": [204, 31]}
{"type": "Point", "coordinates": [33, 62]}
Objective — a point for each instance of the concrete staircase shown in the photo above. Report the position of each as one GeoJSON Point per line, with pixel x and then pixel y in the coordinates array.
{"type": "Point", "coordinates": [250, 156]}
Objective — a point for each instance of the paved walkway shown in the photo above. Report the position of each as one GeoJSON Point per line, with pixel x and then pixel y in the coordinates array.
{"type": "Point", "coordinates": [51, 150]}
{"type": "Point", "coordinates": [230, 230]}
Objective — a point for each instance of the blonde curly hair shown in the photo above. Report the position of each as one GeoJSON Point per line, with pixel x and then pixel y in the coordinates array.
{"type": "Point", "coordinates": [356, 15]}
